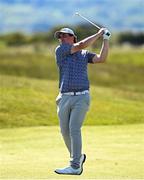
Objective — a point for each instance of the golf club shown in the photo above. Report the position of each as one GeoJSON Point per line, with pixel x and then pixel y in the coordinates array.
{"type": "Point", "coordinates": [78, 14]}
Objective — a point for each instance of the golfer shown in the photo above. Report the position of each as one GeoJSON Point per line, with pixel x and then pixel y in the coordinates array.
{"type": "Point", "coordinates": [74, 99]}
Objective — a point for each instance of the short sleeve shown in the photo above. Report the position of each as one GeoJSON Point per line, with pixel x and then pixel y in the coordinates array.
{"type": "Point", "coordinates": [90, 56]}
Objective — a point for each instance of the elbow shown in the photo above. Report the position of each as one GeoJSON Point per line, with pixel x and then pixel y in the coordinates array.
{"type": "Point", "coordinates": [99, 59]}
{"type": "Point", "coordinates": [103, 60]}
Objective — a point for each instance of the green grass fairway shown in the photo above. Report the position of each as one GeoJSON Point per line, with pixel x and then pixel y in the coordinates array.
{"type": "Point", "coordinates": [113, 152]}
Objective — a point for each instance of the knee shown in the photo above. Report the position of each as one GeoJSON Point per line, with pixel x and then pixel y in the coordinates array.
{"type": "Point", "coordinates": [65, 132]}
{"type": "Point", "coordinates": [75, 132]}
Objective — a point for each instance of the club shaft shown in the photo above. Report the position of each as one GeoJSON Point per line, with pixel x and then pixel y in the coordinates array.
{"type": "Point", "coordinates": [88, 21]}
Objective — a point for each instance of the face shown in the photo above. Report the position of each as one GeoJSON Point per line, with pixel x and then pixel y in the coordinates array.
{"type": "Point", "coordinates": [66, 38]}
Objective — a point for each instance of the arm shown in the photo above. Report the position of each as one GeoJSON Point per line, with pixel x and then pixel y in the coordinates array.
{"type": "Point", "coordinates": [101, 57]}
{"type": "Point", "coordinates": [87, 41]}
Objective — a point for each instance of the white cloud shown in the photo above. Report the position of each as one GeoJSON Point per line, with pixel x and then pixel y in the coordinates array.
{"type": "Point", "coordinates": [54, 12]}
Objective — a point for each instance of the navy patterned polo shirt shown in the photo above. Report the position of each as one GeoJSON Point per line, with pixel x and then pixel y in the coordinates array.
{"type": "Point", "coordinates": [72, 68]}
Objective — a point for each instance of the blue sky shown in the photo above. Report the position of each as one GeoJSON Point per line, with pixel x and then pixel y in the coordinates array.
{"type": "Point", "coordinates": [27, 15]}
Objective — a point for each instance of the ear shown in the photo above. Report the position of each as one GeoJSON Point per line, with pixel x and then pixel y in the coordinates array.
{"type": "Point", "coordinates": [75, 39]}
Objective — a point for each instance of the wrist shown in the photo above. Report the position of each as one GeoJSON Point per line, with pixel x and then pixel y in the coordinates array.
{"type": "Point", "coordinates": [98, 35]}
{"type": "Point", "coordinates": [106, 38]}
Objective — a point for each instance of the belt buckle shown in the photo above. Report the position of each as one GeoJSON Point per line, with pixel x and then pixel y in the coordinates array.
{"type": "Point", "coordinates": [78, 93]}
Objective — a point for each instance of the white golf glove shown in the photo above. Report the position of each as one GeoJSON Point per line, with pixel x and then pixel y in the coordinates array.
{"type": "Point", "coordinates": [106, 34]}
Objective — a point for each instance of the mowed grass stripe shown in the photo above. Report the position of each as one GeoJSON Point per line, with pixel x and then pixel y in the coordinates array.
{"type": "Point", "coordinates": [113, 152]}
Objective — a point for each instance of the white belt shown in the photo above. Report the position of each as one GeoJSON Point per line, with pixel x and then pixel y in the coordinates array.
{"type": "Point", "coordinates": [76, 93]}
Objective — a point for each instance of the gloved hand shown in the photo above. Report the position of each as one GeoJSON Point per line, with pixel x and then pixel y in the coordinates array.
{"type": "Point", "coordinates": [106, 34]}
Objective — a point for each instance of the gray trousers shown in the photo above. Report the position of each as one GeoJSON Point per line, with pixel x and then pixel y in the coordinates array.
{"type": "Point", "coordinates": [71, 111]}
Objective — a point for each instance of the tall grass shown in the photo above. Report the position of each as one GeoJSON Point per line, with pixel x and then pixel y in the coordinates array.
{"type": "Point", "coordinates": [124, 68]}
{"type": "Point", "coordinates": [28, 65]}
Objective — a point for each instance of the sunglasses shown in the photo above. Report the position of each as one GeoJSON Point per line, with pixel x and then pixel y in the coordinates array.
{"type": "Point", "coordinates": [64, 35]}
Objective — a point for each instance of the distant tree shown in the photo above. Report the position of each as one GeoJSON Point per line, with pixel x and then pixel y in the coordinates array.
{"type": "Point", "coordinates": [15, 39]}
{"type": "Point", "coordinates": [132, 38]}
{"type": "Point", "coordinates": [81, 31]}
{"type": "Point", "coordinates": [38, 37]}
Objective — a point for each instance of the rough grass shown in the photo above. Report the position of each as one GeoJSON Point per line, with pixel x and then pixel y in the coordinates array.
{"type": "Point", "coordinates": [124, 68]}
{"type": "Point", "coordinates": [113, 152]}
{"type": "Point", "coordinates": [31, 102]}
{"type": "Point", "coordinates": [29, 85]}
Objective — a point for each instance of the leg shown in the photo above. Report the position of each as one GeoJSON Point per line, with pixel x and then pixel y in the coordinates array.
{"type": "Point", "coordinates": [78, 107]}
{"type": "Point", "coordinates": [78, 112]}
{"type": "Point", "coordinates": [63, 111]}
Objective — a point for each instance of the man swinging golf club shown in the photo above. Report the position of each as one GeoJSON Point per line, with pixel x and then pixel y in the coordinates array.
{"type": "Point", "coordinates": [74, 98]}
